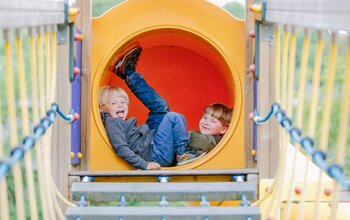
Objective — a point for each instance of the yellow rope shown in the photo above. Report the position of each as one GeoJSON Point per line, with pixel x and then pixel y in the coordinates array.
{"type": "Point", "coordinates": [315, 87]}
{"type": "Point", "coordinates": [46, 183]}
{"type": "Point", "coordinates": [328, 96]}
{"type": "Point", "coordinates": [302, 81]}
{"type": "Point", "coordinates": [291, 73]}
{"type": "Point", "coordinates": [343, 134]}
{"type": "Point", "coordinates": [300, 110]}
{"type": "Point", "coordinates": [334, 202]}
{"type": "Point", "coordinates": [48, 69]}
{"type": "Point", "coordinates": [279, 178]}
{"type": "Point", "coordinates": [41, 74]}
{"type": "Point", "coordinates": [284, 69]}
{"type": "Point", "coordinates": [54, 67]}
{"type": "Point", "coordinates": [312, 117]}
{"type": "Point", "coordinates": [25, 126]}
{"type": "Point", "coordinates": [326, 116]}
{"type": "Point", "coordinates": [301, 205]}
{"type": "Point", "coordinates": [277, 65]}
{"type": "Point", "coordinates": [17, 173]}
{"type": "Point", "coordinates": [4, 206]}
{"type": "Point", "coordinates": [47, 139]}
{"type": "Point", "coordinates": [344, 114]}
{"type": "Point", "coordinates": [34, 79]}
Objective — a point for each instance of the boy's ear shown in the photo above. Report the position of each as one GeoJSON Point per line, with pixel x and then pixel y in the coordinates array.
{"type": "Point", "coordinates": [223, 130]}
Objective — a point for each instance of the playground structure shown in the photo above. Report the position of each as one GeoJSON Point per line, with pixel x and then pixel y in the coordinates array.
{"type": "Point", "coordinates": [208, 41]}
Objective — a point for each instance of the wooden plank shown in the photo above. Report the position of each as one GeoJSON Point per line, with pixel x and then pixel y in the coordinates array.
{"type": "Point", "coordinates": [84, 24]}
{"type": "Point", "coordinates": [248, 87]}
{"type": "Point", "coordinates": [213, 191]}
{"type": "Point", "coordinates": [164, 173]}
{"type": "Point", "coordinates": [21, 19]}
{"type": "Point", "coordinates": [33, 5]}
{"type": "Point", "coordinates": [274, 132]}
{"type": "Point", "coordinates": [320, 21]}
{"type": "Point", "coordinates": [309, 6]}
{"type": "Point", "coordinates": [170, 213]}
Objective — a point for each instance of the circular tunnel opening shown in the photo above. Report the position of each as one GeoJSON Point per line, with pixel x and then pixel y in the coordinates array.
{"type": "Point", "coordinates": [184, 68]}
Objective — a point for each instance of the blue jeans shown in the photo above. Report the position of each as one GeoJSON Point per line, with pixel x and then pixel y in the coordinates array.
{"type": "Point", "coordinates": [170, 128]}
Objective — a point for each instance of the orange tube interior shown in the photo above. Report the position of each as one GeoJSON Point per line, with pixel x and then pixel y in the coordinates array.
{"type": "Point", "coordinates": [183, 69]}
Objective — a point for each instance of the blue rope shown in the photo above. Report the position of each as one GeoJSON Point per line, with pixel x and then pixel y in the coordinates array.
{"type": "Point", "coordinates": [319, 157]}
{"type": "Point", "coordinates": [258, 120]}
{"type": "Point", "coordinates": [28, 143]}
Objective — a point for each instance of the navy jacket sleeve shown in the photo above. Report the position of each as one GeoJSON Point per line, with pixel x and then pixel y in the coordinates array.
{"type": "Point", "coordinates": [115, 129]}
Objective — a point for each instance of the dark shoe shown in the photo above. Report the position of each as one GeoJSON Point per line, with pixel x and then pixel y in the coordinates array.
{"type": "Point", "coordinates": [189, 156]}
{"type": "Point", "coordinates": [127, 64]}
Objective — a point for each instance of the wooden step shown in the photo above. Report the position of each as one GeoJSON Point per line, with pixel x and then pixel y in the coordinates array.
{"type": "Point", "coordinates": [168, 213]}
{"type": "Point", "coordinates": [177, 191]}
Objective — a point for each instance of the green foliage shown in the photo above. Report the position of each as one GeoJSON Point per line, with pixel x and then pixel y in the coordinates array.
{"type": "Point", "coordinates": [101, 6]}
{"type": "Point", "coordinates": [236, 9]}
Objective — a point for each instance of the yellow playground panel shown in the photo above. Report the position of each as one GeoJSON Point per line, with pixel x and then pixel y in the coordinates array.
{"type": "Point", "coordinates": [189, 59]}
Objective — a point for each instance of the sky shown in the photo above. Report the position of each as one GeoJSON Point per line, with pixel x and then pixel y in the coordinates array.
{"type": "Point", "coordinates": [223, 2]}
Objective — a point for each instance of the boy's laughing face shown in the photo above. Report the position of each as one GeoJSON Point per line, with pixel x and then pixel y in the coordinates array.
{"type": "Point", "coordinates": [210, 125]}
{"type": "Point", "coordinates": [117, 107]}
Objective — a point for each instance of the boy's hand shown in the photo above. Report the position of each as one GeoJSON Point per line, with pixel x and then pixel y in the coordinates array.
{"type": "Point", "coordinates": [153, 166]}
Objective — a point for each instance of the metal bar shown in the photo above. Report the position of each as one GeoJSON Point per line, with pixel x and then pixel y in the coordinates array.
{"type": "Point", "coordinates": [164, 173]}
{"type": "Point", "coordinates": [169, 213]}
{"type": "Point", "coordinates": [179, 191]}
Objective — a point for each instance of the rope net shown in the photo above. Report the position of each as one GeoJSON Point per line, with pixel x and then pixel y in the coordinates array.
{"type": "Point", "coordinates": [312, 107]}
{"type": "Point", "coordinates": [29, 76]}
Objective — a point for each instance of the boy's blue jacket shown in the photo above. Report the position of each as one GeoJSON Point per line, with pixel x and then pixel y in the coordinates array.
{"type": "Point", "coordinates": [130, 142]}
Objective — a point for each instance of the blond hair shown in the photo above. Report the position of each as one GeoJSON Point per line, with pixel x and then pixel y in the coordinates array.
{"type": "Point", "coordinates": [220, 112]}
{"type": "Point", "coordinates": [108, 92]}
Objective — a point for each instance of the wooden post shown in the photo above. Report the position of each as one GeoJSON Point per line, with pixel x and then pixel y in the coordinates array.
{"type": "Point", "coordinates": [61, 129]}
{"type": "Point", "coordinates": [267, 132]}
{"type": "Point", "coordinates": [248, 87]}
{"type": "Point", "coordinates": [61, 138]}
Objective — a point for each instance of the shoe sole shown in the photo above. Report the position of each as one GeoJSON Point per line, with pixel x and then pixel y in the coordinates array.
{"type": "Point", "coordinates": [120, 63]}
{"type": "Point", "coordinates": [123, 52]}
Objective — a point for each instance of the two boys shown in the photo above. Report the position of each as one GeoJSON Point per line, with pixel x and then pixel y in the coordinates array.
{"type": "Point", "coordinates": [164, 137]}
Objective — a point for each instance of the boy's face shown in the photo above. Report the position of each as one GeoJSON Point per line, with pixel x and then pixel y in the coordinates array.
{"type": "Point", "coordinates": [210, 125]}
{"type": "Point", "coordinates": [117, 107]}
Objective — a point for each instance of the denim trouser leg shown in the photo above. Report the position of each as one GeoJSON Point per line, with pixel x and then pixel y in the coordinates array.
{"type": "Point", "coordinates": [170, 138]}
{"type": "Point", "coordinates": [150, 98]}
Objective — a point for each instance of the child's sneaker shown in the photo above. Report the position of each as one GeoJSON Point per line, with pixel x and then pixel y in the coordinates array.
{"type": "Point", "coordinates": [127, 63]}
{"type": "Point", "coordinates": [190, 155]}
